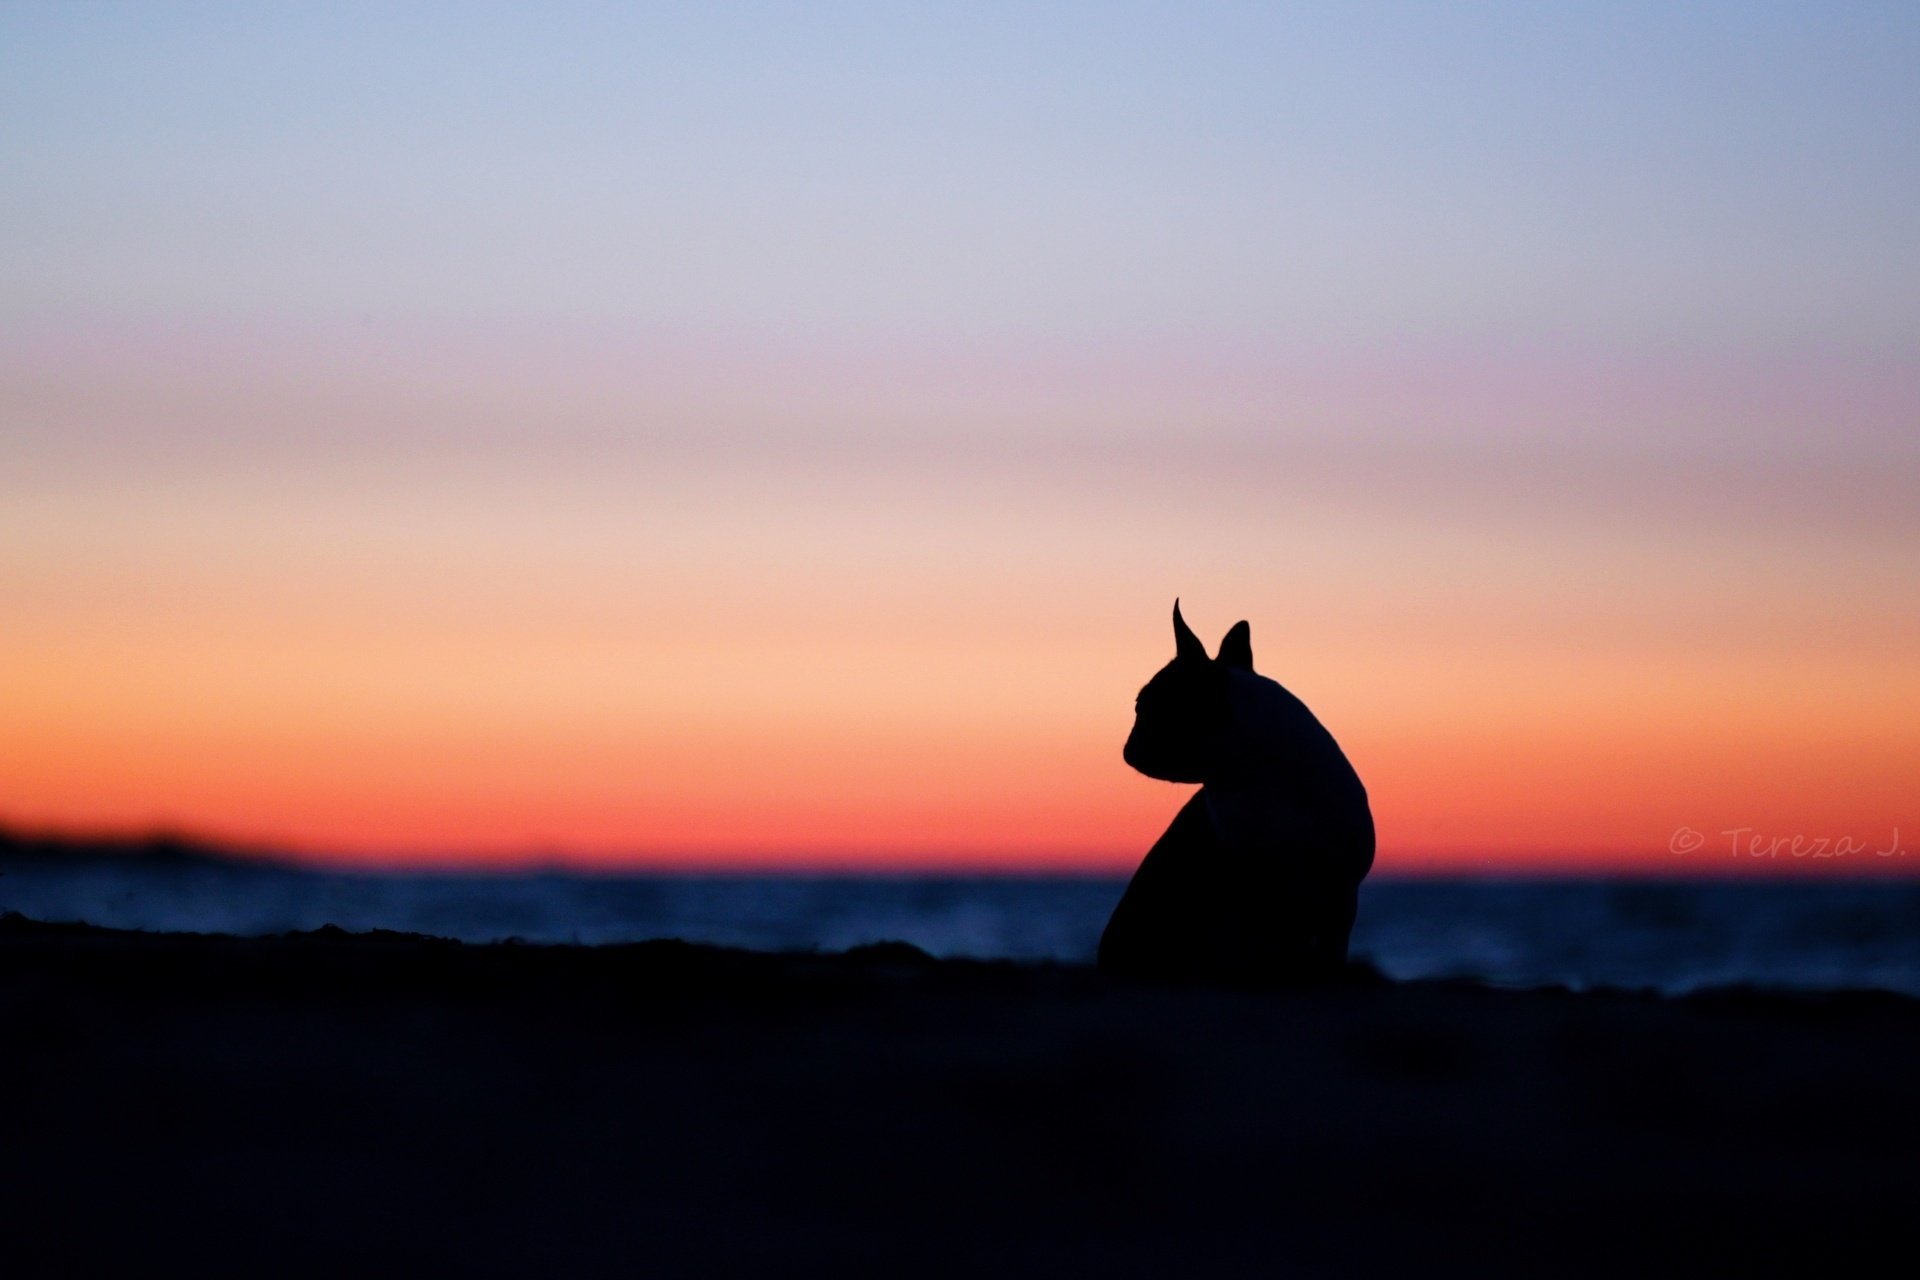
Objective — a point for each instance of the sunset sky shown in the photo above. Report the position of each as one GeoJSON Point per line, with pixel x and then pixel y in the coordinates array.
{"type": "Point", "coordinates": [776, 434]}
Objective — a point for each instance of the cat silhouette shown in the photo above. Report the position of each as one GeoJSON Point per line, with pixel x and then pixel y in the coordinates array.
{"type": "Point", "coordinates": [1258, 878]}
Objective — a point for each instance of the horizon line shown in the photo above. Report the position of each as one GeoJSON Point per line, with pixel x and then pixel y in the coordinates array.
{"type": "Point", "coordinates": [1443, 862]}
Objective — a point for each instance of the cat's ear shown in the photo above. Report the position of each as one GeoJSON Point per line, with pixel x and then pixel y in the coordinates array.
{"type": "Point", "coordinates": [1237, 649]}
{"type": "Point", "coordinates": [1185, 643]}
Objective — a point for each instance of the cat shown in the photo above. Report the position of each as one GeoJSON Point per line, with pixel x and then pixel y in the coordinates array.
{"type": "Point", "coordinates": [1258, 878]}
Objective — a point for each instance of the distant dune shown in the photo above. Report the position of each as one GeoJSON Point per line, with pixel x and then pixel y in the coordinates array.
{"type": "Point", "coordinates": [155, 848]}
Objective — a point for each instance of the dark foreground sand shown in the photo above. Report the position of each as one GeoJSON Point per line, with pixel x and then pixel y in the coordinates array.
{"type": "Point", "coordinates": [383, 1104]}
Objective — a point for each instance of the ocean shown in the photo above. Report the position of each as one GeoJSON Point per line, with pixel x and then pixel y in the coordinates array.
{"type": "Point", "coordinates": [1671, 936]}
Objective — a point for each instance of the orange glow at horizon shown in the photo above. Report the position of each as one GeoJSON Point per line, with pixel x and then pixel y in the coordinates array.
{"type": "Point", "coordinates": [788, 646]}
{"type": "Point", "coordinates": [655, 740]}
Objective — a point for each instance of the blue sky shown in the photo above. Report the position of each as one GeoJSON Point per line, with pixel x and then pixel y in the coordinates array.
{"type": "Point", "coordinates": [1624, 174]}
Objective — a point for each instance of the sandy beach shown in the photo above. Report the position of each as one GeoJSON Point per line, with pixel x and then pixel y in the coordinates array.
{"type": "Point", "coordinates": [386, 1103]}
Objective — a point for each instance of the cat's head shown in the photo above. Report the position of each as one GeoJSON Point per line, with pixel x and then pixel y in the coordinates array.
{"type": "Point", "coordinates": [1180, 719]}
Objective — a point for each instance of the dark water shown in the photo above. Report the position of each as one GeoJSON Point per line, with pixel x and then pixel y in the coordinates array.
{"type": "Point", "coordinates": [1674, 936]}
